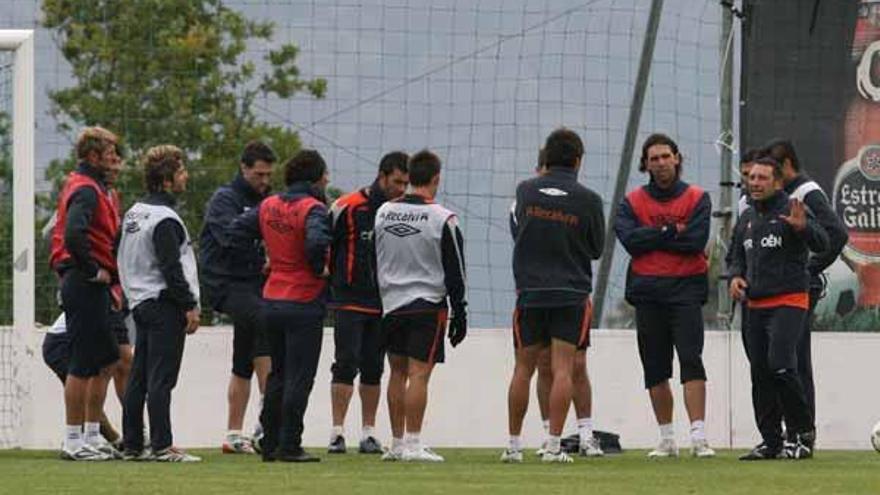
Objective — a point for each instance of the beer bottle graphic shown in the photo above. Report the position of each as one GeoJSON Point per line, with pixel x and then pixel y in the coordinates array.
{"type": "Point", "coordinates": [857, 183]}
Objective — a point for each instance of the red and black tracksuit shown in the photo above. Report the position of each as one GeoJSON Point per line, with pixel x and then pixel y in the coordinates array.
{"type": "Point", "coordinates": [665, 231]}
{"type": "Point", "coordinates": [83, 241]}
{"type": "Point", "coordinates": [355, 292]}
{"type": "Point", "coordinates": [295, 228]}
{"type": "Point", "coordinates": [772, 257]}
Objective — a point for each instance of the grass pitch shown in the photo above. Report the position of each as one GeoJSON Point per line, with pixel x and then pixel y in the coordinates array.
{"type": "Point", "coordinates": [465, 471]}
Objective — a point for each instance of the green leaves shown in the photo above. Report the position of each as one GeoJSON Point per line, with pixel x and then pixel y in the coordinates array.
{"type": "Point", "coordinates": [172, 71]}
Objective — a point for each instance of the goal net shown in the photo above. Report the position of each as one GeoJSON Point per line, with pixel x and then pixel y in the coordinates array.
{"type": "Point", "coordinates": [16, 225]}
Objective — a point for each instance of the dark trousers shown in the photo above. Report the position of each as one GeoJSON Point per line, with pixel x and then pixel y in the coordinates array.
{"type": "Point", "coordinates": [805, 353]}
{"type": "Point", "coordinates": [157, 356]}
{"type": "Point", "coordinates": [295, 333]}
{"type": "Point", "coordinates": [777, 393]}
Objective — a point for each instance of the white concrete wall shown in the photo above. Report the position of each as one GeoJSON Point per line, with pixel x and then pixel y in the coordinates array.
{"type": "Point", "coordinates": [467, 404]}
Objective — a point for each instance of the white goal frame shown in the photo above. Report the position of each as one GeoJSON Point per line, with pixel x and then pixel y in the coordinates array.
{"type": "Point", "coordinates": [21, 44]}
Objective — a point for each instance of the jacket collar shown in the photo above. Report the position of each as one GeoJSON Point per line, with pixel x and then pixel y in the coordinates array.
{"type": "Point", "coordinates": [303, 188]}
{"type": "Point", "coordinates": [87, 169]}
{"type": "Point", "coordinates": [562, 173]}
{"type": "Point", "coordinates": [161, 198]}
{"type": "Point", "coordinates": [375, 195]}
{"type": "Point", "coordinates": [775, 202]}
{"type": "Point", "coordinates": [678, 187]}
{"type": "Point", "coordinates": [241, 185]}
{"type": "Point", "coordinates": [799, 180]}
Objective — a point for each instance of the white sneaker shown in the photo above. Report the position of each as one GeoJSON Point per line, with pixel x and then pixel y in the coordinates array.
{"type": "Point", "coordinates": [424, 454]}
{"type": "Point", "coordinates": [560, 457]}
{"type": "Point", "coordinates": [85, 453]}
{"type": "Point", "coordinates": [257, 438]}
{"type": "Point", "coordinates": [173, 454]}
{"type": "Point", "coordinates": [591, 448]}
{"type": "Point", "coordinates": [701, 450]}
{"type": "Point", "coordinates": [666, 448]}
{"type": "Point", "coordinates": [237, 444]}
{"type": "Point", "coordinates": [392, 455]}
{"type": "Point", "coordinates": [100, 444]}
{"type": "Point", "coordinates": [512, 456]}
{"type": "Point", "coordinates": [540, 452]}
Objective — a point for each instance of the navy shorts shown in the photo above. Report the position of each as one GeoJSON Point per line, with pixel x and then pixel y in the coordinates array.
{"type": "Point", "coordinates": [416, 334]}
{"type": "Point", "coordinates": [537, 326]}
{"type": "Point", "coordinates": [86, 304]}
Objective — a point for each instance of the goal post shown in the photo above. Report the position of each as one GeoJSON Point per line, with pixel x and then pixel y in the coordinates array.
{"type": "Point", "coordinates": [15, 393]}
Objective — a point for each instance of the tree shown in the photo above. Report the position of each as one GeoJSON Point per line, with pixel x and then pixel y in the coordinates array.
{"type": "Point", "coordinates": [172, 71]}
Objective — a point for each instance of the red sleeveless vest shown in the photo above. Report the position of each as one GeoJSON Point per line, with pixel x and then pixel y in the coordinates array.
{"type": "Point", "coordinates": [653, 213]}
{"type": "Point", "coordinates": [283, 225]}
{"type": "Point", "coordinates": [102, 231]}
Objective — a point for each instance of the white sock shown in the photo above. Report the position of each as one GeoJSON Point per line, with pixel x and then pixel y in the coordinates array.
{"type": "Point", "coordinates": [515, 443]}
{"type": "Point", "coordinates": [397, 444]}
{"type": "Point", "coordinates": [337, 431]}
{"type": "Point", "coordinates": [92, 431]}
{"type": "Point", "coordinates": [585, 429]}
{"type": "Point", "coordinates": [554, 443]}
{"type": "Point", "coordinates": [73, 437]}
{"type": "Point", "coordinates": [367, 432]}
{"type": "Point", "coordinates": [698, 430]}
{"type": "Point", "coordinates": [413, 442]}
{"type": "Point", "coordinates": [546, 424]}
{"type": "Point", "coordinates": [667, 432]}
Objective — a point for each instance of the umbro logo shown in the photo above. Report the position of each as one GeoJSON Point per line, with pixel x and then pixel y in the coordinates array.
{"type": "Point", "coordinates": [402, 230]}
{"type": "Point", "coordinates": [552, 191]}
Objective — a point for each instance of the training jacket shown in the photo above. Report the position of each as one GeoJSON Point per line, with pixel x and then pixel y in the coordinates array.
{"type": "Point", "coordinates": [353, 253]}
{"type": "Point", "coordinates": [769, 254]}
{"type": "Point", "coordinates": [558, 230]}
{"type": "Point", "coordinates": [219, 267]}
{"type": "Point", "coordinates": [666, 266]}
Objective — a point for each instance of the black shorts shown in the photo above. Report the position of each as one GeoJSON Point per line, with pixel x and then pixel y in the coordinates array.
{"type": "Point", "coordinates": [87, 313]}
{"type": "Point", "coordinates": [56, 354]}
{"type": "Point", "coordinates": [358, 348]}
{"type": "Point", "coordinates": [660, 328]}
{"type": "Point", "coordinates": [417, 334]}
{"type": "Point", "coordinates": [118, 327]}
{"type": "Point", "coordinates": [537, 326]}
{"type": "Point", "coordinates": [244, 305]}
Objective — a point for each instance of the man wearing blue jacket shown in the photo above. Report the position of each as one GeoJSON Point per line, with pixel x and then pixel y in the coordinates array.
{"type": "Point", "coordinates": [234, 288]}
{"type": "Point", "coordinates": [800, 187]}
{"type": "Point", "coordinates": [664, 226]}
{"type": "Point", "coordinates": [770, 274]}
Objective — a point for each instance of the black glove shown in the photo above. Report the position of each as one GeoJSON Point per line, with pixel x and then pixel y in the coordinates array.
{"type": "Point", "coordinates": [457, 328]}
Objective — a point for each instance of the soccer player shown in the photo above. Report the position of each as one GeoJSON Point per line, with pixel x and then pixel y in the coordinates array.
{"type": "Point", "coordinates": [800, 187]}
{"type": "Point", "coordinates": [295, 227]}
{"type": "Point", "coordinates": [420, 266]}
{"type": "Point", "coordinates": [56, 355]}
{"type": "Point", "coordinates": [664, 226]}
{"type": "Point", "coordinates": [56, 344]}
{"type": "Point", "coordinates": [234, 288]}
{"type": "Point", "coordinates": [158, 272]}
{"type": "Point", "coordinates": [747, 160]}
{"type": "Point", "coordinates": [581, 399]}
{"type": "Point", "coordinates": [745, 166]}
{"type": "Point", "coordinates": [82, 255]}
{"type": "Point", "coordinates": [559, 229]}
{"type": "Point", "coordinates": [770, 273]}
{"type": "Point", "coordinates": [357, 332]}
